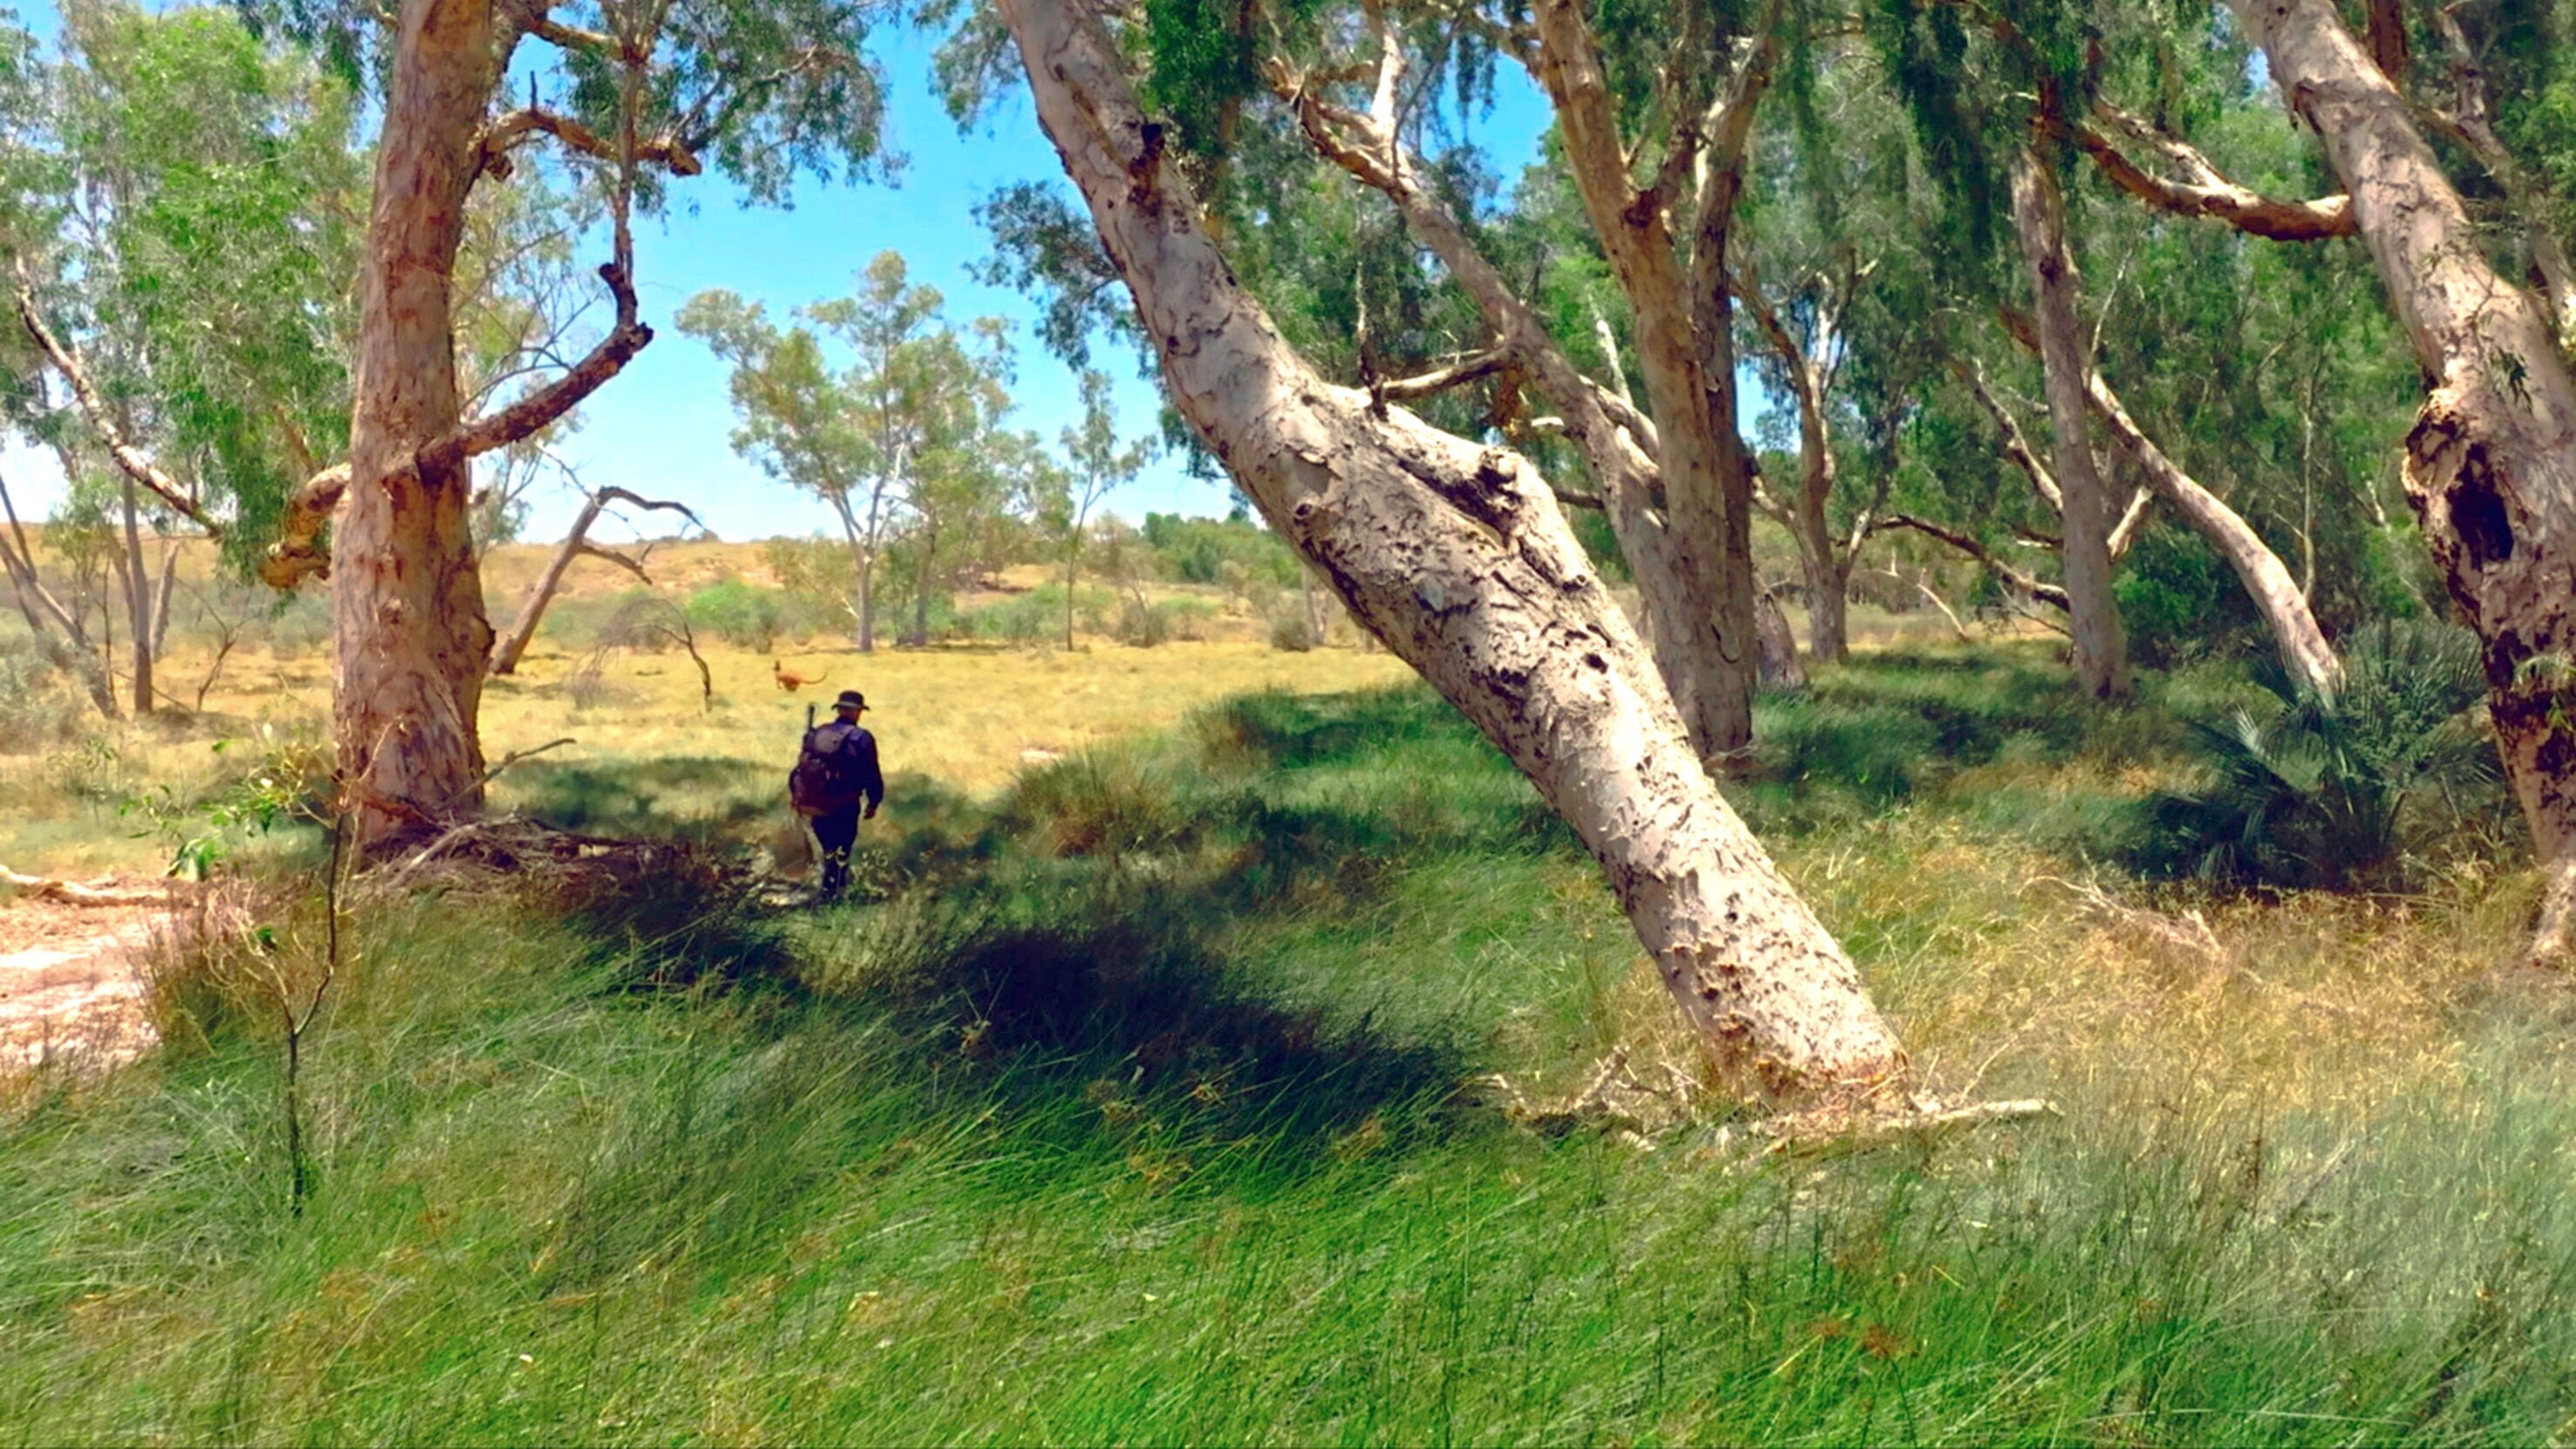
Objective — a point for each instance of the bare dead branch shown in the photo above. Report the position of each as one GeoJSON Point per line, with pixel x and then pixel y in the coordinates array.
{"type": "Point", "coordinates": [1473, 367]}
{"type": "Point", "coordinates": [2017, 580]}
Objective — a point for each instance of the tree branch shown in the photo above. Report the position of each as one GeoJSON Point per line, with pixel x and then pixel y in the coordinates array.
{"type": "Point", "coordinates": [2016, 444]}
{"type": "Point", "coordinates": [2472, 125]}
{"type": "Point", "coordinates": [506, 132]}
{"type": "Point", "coordinates": [130, 459]}
{"type": "Point", "coordinates": [2015, 579]}
{"type": "Point", "coordinates": [2206, 193]}
{"type": "Point", "coordinates": [1470, 368]}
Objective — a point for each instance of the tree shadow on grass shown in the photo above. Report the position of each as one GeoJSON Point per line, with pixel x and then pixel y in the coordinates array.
{"type": "Point", "coordinates": [1103, 1036]}
{"type": "Point", "coordinates": [701, 799]}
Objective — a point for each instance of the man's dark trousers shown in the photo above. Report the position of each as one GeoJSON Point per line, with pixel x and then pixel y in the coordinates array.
{"type": "Point", "coordinates": [837, 831]}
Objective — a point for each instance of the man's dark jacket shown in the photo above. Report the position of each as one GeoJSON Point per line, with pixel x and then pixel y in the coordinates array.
{"type": "Point", "coordinates": [857, 756]}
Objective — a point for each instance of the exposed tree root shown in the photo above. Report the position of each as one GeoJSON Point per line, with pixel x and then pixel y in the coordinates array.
{"type": "Point", "coordinates": [1636, 1111]}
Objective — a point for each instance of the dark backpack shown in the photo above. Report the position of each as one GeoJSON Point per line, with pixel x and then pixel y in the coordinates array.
{"type": "Point", "coordinates": [823, 780]}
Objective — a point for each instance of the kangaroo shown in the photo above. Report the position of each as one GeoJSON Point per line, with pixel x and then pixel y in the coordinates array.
{"type": "Point", "coordinates": [789, 680]}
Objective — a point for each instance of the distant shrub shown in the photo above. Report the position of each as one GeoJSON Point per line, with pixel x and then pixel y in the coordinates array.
{"type": "Point", "coordinates": [1198, 550]}
{"type": "Point", "coordinates": [2335, 793]}
{"type": "Point", "coordinates": [39, 704]}
{"type": "Point", "coordinates": [740, 614]}
{"type": "Point", "coordinates": [1290, 633]}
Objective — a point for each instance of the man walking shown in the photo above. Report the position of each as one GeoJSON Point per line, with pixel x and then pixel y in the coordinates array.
{"type": "Point", "coordinates": [835, 783]}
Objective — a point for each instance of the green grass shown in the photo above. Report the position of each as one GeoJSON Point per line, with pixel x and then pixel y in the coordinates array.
{"type": "Point", "coordinates": [1132, 1112]}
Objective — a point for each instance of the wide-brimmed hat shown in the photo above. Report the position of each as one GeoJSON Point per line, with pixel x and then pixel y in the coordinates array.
{"type": "Point", "coordinates": [850, 699]}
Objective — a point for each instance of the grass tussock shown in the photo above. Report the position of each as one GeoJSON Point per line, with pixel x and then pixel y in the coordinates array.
{"type": "Point", "coordinates": [1129, 1108]}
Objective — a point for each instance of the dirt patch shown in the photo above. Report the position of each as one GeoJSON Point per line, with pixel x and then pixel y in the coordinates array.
{"type": "Point", "coordinates": [71, 983]}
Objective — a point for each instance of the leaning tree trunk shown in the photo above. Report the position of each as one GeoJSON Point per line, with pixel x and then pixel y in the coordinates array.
{"type": "Point", "coordinates": [138, 607]}
{"type": "Point", "coordinates": [1456, 556]}
{"type": "Point", "coordinates": [2491, 463]}
{"type": "Point", "coordinates": [409, 635]}
{"type": "Point", "coordinates": [2266, 580]}
{"type": "Point", "coordinates": [505, 657]}
{"type": "Point", "coordinates": [532, 611]}
{"type": "Point", "coordinates": [2093, 615]}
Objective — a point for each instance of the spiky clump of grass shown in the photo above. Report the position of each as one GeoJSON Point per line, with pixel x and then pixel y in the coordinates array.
{"type": "Point", "coordinates": [2335, 791]}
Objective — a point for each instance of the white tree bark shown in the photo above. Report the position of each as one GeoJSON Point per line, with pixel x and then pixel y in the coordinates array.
{"type": "Point", "coordinates": [1456, 556]}
{"type": "Point", "coordinates": [1677, 580]}
{"type": "Point", "coordinates": [2491, 463]}
{"type": "Point", "coordinates": [2266, 580]}
{"type": "Point", "coordinates": [2093, 615]}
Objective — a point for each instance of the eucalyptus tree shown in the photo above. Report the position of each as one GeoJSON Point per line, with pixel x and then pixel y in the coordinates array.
{"type": "Point", "coordinates": [971, 478]}
{"type": "Point", "coordinates": [2454, 232]}
{"type": "Point", "coordinates": [1833, 287]}
{"type": "Point", "coordinates": [1456, 554]}
{"type": "Point", "coordinates": [2007, 100]}
{"type": "Point", "coordinates": [858, 437]}
{"type": "Point", "coordinates": [624, 96]}
{"type": "Point", "coordinates": [1096, 464]}
{"type": "Point", "coordinates": [180, 240]}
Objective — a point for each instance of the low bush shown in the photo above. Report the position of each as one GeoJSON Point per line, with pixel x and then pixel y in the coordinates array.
{"type": "Point", "coordinates": [1292, 634]}
{"type": "Point", "coordinates": [747, 616]}
{"type": "Point", "coordinates": [1164, 620]}
{"type": "Point", "coordinates": [2337, 792]}
{"type": "Point", "coordinates": [40, 705]}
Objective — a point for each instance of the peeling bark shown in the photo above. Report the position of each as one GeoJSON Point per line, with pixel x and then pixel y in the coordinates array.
{"type": "Point", "coordinates": [409, 634]}
{"type": "Point", "coordinates": [2093, 615]}
{"type": "Point", "coordinates": [2490, 465]}
{"type": "Point", "coordinates": [1455, 555]}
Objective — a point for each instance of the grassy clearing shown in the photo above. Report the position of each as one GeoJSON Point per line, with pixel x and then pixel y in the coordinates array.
{"type": "Point", "coordinates": [1131, 1112]}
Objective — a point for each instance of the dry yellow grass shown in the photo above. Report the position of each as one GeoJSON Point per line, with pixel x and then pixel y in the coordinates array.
{"type": "Point", "coordinates": [969, 718]}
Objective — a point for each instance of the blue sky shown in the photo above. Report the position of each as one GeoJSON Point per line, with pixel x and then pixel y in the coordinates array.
{"type": "Point", "coordinates": [662, 426]}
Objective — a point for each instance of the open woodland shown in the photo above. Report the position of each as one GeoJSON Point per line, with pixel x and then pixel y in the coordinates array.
{"type": "Point", "coordinates": [1881, 751]}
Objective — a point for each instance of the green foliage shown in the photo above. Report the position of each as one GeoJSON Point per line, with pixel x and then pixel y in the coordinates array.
{"type": "Point", "coordinates": [2178, 598]}
{"type": "Point", "coordinates": [1198, 550]}
{"type": "Point", "coordinates": [2345, 792]}
{"type": "Point", "coordinates": [745, 615]}
{"type": "Point", "coordinates": [191, 224]}
{"type": "Point", "coordinates": [266, 784]}
{"type": "Point", "coordinates": [907, 443]}
{"type": "Point", "coordinates": [1038, 614]}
